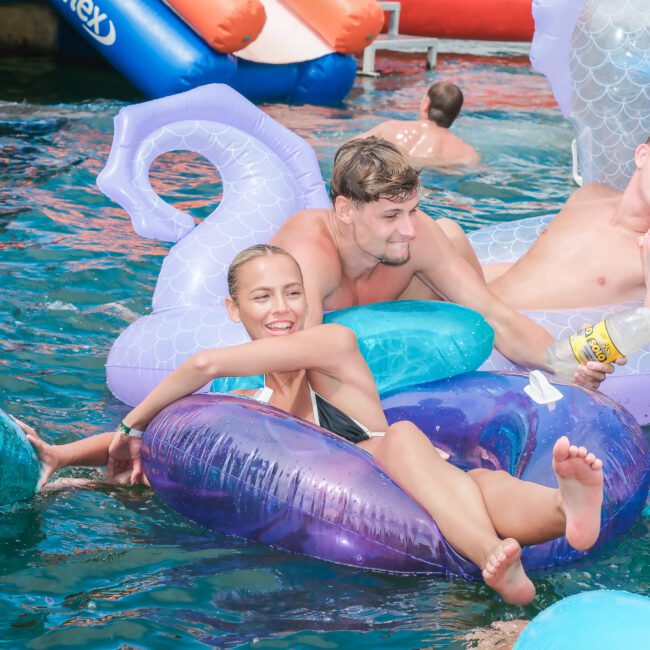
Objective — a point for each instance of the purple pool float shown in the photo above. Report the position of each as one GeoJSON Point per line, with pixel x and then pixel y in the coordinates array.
{"type": "Point", "coordinates": [250, 470]}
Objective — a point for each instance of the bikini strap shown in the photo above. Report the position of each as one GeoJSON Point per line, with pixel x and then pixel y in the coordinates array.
{"type": "Point", "coordinates": [314, 406]}
{"type": "Point", "coordinates": [264, 394]}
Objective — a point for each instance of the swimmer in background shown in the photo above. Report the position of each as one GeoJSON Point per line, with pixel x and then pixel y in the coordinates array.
{"type": "Point", "coordinates": [428, 141]}
{"type": "Point", "coordinates": [596, 251]}
{"type": "Point", "coordinates": [319, 375]}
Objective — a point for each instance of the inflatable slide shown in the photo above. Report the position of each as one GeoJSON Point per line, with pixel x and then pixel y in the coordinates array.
{"type": "Point", "coordinates": [268, 50]}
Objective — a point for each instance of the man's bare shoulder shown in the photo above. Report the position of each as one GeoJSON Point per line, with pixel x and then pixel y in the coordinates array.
{"type": "Point", "coordinates": [306, 236]}
{"type": "Point", "coordinates": [428, 239]}
{"type": "Point", "coordinates": [386, 130]}
{"type": "Point", "coordinates": [592, 192]}
{"type": "Point", "coordinates": [306, 227]}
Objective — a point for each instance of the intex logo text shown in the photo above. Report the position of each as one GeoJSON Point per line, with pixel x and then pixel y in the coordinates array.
{"type": "Point", "coordinates": [91, 17]}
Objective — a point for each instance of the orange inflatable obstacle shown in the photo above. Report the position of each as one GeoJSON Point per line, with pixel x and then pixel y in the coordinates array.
{"type": "Point", "coordinates": [488, 20]}
{"type": "Point", "coordinates": [225, 25]}
{"type": "Point", "coordinates": [347, 25]}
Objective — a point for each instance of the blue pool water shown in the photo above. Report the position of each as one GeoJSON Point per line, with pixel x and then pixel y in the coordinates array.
{"type": "Point", "coordinates": [112, 567]}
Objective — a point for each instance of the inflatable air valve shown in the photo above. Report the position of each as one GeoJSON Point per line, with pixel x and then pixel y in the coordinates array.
{"type": "Point", "coordinates": [19, 472]}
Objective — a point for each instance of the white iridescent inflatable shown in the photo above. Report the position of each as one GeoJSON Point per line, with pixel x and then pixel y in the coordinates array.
{"type": "Point", "coordinates": [596, 56]}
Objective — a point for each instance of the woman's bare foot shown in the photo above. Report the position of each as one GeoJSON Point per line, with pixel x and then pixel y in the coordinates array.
{"type": "Point", "coordinates": [505, 574]}
{"type": "Point", "coordinates": [580, 476]}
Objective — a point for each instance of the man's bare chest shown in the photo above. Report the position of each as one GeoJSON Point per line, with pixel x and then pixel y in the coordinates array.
{"type": "Point", "coordinates": [383, 284]}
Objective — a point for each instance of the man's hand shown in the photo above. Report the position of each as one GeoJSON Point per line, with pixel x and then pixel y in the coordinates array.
{"type": "Point", "coordinates": [595, 372]}
{"type": "Point", "coordinates": [122, 453]}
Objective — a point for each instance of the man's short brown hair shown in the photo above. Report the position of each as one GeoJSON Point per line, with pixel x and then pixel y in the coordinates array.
{"type": "Point", "coordinates": [445, 102]}
{"type": "Point", "coordinates": [369, 169]}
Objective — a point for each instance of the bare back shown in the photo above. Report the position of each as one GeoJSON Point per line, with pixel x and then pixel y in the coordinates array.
{"type": "Point", "coordinates": [426, 143]}
{"type": "Point", "coordinates": [583, 258]}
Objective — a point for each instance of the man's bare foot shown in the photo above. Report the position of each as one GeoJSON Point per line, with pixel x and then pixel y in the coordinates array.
{"type": "Point", "coordinates": [505, 574]}
{"type": "Point", "coordinates": [580, 476]}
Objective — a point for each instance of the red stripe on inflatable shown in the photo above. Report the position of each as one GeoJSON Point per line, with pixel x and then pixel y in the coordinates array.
{"type": "Point", "coordinates": [489, 20]}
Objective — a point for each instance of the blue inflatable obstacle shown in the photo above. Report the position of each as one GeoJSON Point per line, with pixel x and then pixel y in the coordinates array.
{"type": "Point", "coordinates": [594, 620]}
{"type": "Point", "coordinates": [160, 55]}
{"type": "Point", "coordinates": [19, 469]}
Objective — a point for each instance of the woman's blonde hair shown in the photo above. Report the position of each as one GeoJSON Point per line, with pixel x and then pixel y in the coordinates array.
{"type": "Point", "coordinates": [369, 169]}
{"type": "Point", "coordinates": [243, 257]}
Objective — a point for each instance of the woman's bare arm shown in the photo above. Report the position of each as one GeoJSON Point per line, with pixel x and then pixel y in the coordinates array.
{"type": "Point", "coordinates": [325, 348]}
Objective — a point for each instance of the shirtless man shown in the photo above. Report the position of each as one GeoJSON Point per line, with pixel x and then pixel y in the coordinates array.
{"type": "Point", "coordinates": [596, 251]}
{"type": "Point", "coordinates": [374, 244]}
{"type": "Point", "coordinates": [428, 141]}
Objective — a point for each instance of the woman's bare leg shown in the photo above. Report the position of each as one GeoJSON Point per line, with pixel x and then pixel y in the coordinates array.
{"type": "Point", "coordinates": [456, 503]}
{"type": "Point", "coordinates": [535, 513]}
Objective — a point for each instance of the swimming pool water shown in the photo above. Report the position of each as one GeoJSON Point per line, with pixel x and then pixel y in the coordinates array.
{"type": "Point", "coordinates": [112, 567]}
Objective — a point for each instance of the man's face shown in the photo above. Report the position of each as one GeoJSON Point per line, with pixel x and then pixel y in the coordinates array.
{"type": "Point", "coordinates": [383, 229]}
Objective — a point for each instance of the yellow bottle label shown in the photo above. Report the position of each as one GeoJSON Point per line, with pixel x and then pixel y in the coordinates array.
{"type": "Point", "coordinates": [594, 344]}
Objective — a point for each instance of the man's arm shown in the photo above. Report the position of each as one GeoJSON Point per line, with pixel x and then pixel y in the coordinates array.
{"type": "Point", "coordinates": [516, 336]}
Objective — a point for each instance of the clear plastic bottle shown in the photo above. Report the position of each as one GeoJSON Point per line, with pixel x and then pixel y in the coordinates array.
{"type": "Point", "coordinates": [620, 334]}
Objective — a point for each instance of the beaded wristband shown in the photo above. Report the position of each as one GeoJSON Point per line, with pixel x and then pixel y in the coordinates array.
{"type": "Point", "coordinates": [129, 432]}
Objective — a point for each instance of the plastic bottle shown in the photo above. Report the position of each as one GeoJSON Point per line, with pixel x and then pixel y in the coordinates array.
{"type": "Point", "coordinates": [620, 334]}
{"type": "Point", "coordinates": [20, 469]}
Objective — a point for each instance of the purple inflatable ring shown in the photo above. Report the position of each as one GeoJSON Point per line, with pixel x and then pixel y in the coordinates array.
{"type": "Point", "coordinates": [250, 470]}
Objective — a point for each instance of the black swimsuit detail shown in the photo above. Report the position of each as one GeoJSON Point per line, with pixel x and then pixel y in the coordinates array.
{"type": "Point", "coordinates": [336, 421]}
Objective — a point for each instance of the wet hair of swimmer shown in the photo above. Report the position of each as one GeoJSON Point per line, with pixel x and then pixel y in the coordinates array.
{"type": "Point", "coordinates": [445, 102]}
{"type": "Point", "coordinates": [251, 253]}
{"type": "Point", "coordinates": [368, 169]}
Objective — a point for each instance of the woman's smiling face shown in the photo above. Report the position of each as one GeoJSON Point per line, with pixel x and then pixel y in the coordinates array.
{"type": "Point", "coordinates": [270, 298]}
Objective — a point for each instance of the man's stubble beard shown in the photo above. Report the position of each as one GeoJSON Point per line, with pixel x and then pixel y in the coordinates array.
{"type": "Point", "coordinates": [392, 261]}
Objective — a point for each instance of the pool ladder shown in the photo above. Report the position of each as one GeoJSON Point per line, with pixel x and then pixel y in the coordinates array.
{"type": "Point", "coordinates": [393, 40]}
